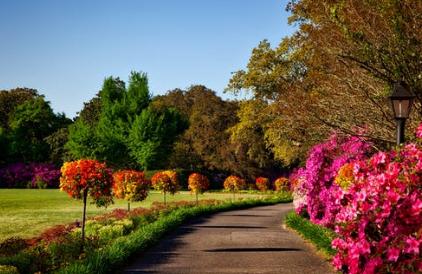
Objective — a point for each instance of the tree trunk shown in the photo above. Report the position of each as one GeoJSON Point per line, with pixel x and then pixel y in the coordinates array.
{"type": "Point", "coordinates": [128, 206]}
{"type": "Point", "coordinates": [83, 220]}
{"type": "Point", "coordinates": [165, 202]}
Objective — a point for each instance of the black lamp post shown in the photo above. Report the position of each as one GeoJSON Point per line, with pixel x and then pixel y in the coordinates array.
{"type": "Point", "coordinates": [402, 101]}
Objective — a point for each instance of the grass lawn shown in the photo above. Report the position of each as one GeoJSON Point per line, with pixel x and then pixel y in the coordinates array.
{"type": "Point", "coordinates": [27, 212]}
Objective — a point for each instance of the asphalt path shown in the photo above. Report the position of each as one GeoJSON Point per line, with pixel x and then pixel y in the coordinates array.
{"type": "Point", "coordinates": [241, 241]}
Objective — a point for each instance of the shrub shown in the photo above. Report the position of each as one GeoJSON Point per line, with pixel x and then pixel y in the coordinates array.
{"type": "Point", "coordinates": [8, 269]}
{"type": "Point", "coordinates": [380, 218]}
{"type": "Point", "coordinates": [282, 184]}
{"type": "Point", "coordinates": [315, 190]}
{"type": "Point", "coordinates": [262, 183]}
{"type": "Point", "coordinates": [45, 175]}
{"type": "Point", "coordinates": [166, 182]}
{"type": "Point", "coordinates": [198, 183]}
{"type": "Point", "coordinates": [83, 177]}
{"type": "Point", "coordinates": [234, 184]}
{"type": "Point", "coordinates": [12, 246]}
{"type": "Point", "coordinates": [130, 185]}
{"type": "Point", "coordinates": [29, 175]}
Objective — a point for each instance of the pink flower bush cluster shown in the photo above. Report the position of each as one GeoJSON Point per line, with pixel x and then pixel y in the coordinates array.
{"type": "Point", "coordinates": [315, 188]}
{"type": "Point", "coordinates": [379, 225]}
{"type": "Point", "coordinates": [373, 203]}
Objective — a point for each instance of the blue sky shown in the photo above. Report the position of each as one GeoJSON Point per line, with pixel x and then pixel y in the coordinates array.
{"type": "Point", "coordinates": [65, 49]}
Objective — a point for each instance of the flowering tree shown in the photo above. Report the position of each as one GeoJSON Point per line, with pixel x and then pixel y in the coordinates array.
{"type": "Point", "coordinates": [166, 182]}
{"type": "Point", "coordinates": [314, 192]}
{"type": "Point", "coordinates": [262, 183]}
{"type": "Point", "coordinates": [380, 218]}
{"type": "Point", "coordinates": [234, 183]}
{"type": "Point", "coordinates": [198, 183]}
{"type": "Point", "coordinates": [87, 177]}
{"type": "Point", "coordinates": [281, 184]}
{"type": "Point", "coordinates": [130, 185]}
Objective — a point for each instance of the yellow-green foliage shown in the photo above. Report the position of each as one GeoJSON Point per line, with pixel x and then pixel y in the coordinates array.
{"type": "Point", "coordinates": [8, 269]}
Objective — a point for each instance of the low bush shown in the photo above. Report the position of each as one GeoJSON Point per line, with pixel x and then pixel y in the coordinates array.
{"type": "Point", "coordinates": [8, 269]}
{"type": "Point", "coordinates": [12, 246]}
{"type": "Point", "coordinates": [282, 184]}
{"type": "Point", "coordinates": [32, 175]}
{"type": "Point", "coordinates": [262, 184]}
{"type": "Point", "coordinates": [319, 236]}
{"type": "Point", "coordinates": [314, 192]}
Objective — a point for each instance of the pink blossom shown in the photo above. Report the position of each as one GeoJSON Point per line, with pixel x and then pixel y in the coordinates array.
{"type": "Point", "coordinates": [393, 254]}
{"type": "Point", "coordinates": [412, 246]}
{"type": "Point", "coordinates": [419, 131]}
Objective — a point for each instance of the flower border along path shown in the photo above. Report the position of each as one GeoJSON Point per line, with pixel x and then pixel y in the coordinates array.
{"type": "Point", "coordinates": [110, 258]}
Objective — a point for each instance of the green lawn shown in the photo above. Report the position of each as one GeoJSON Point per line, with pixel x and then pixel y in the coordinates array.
{"type": "Point", "coordinates": [27, 212]}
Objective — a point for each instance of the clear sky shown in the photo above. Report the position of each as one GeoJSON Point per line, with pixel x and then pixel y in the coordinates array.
{"type": "Point", "coordinates": [65, 49]}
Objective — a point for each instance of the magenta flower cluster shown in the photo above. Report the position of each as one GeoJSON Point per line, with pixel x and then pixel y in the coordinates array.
{"type": "Point", "coordinates": [377, 216]}
{"type": "Point", "coordinates": [315, 187]}
{"type": "Point", "coordinates": [23, 175]}
{"type": "Point", "coordinates": [379, 225]}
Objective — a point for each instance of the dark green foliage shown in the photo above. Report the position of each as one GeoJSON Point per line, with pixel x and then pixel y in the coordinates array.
{"type": "Point", "coordinates": [120, 128]}
{"type": "Point", "coordinates": [91, 111]}
{"type": "Point", "coordinates": [56, 141]}
{"type": "Point", "coordinates": [137, 97]}
{"type": "Point", "coordinates": [12, 246]}
{"type": "Point", "coordinates": [320, 236]}
{"type": "Point", "coordinates": [82, 141]}
{"type": "Point", "coordinates": [152, 135]}
{"type": "Point", "coordinates": [30, 124]}
{"type": "Point", "coordinates": [11, 99]}
{"type": "Point", "coordinates": [26, 121]}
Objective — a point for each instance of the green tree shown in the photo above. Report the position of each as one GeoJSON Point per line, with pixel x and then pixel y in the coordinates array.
{"type": "Point", "coordinates": [30, 124]}
{"type": "Point", "coordinates": [119, 127]}
{"type": "Point", "coordinates": [11, 99]}
{"type": "Point", "coordinates": [152, 135]}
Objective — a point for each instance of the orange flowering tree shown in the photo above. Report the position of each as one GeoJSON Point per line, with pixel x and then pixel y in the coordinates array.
{"type": "Point", "coordinates": [130, 185]}
{"type": "Point", "coordinates": [198, 183]}
{"type": "Point", "coordinates": [234, 183]}
{"type": "Point", "coordinates": [166, 182]}
{"type": "Point", "coordinates": [87, 177]}
{"type": "Point", "coordinates": [281, 184]}
{"type": "Point", "coordinates": [262, 183]}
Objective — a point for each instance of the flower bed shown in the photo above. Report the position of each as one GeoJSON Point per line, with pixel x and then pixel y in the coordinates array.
{"type": "Point", "coordinates": [32, 175]}
{"type": "Point", "coordinates": [374, 205]}
{"type": "Point", "coordinates": [117, 234]}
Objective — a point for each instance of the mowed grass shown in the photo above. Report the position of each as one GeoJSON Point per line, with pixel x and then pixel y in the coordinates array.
{"type": "Point", "coordinates": [27, 212]}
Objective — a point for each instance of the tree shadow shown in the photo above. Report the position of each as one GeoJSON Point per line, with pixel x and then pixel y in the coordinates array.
{"type": "Point", "coordinates": [247, 215]}
{"type": "Point", "coordinates": [230, 226]}
{"type": "Point", "coordinates": [254, 249]}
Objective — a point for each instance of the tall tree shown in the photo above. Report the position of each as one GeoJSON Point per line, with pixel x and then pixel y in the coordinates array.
{"type": "Point", "coordinates": [119, 127]}
{"type": "Point", "coordinates": [30, 124]}
{"type": "Point", "coordinates": [337, 70]}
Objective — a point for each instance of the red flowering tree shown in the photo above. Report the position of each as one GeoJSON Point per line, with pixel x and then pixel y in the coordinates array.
{"type": "Point", "coordinates": [130, 185]}
{"type": "Point", "coordinates": [87, 177]}
{"type": "Point", "coordinates": [197, 183]}
{"type": "Point", "coordinates": [166, 182]}
{"type": "Point", "coordinates": [234, 184]}
{"type": "Point", "coordinates": [282, 184]}
{"type": "Point", "coordinates": [262, 183]}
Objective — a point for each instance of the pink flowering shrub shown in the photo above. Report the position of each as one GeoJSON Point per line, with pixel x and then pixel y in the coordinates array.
{"type": "Point", "coordinates": [314, 188]}
{"type": "Point", "coordinates": [379, 224]}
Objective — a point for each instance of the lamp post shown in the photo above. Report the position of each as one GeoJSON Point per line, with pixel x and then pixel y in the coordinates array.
{"type": "Point", "coordinates": [401, 101]}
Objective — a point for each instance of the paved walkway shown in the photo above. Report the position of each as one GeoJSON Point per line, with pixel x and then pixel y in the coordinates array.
{"type": "Point", "coordinates": [241, 241]}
